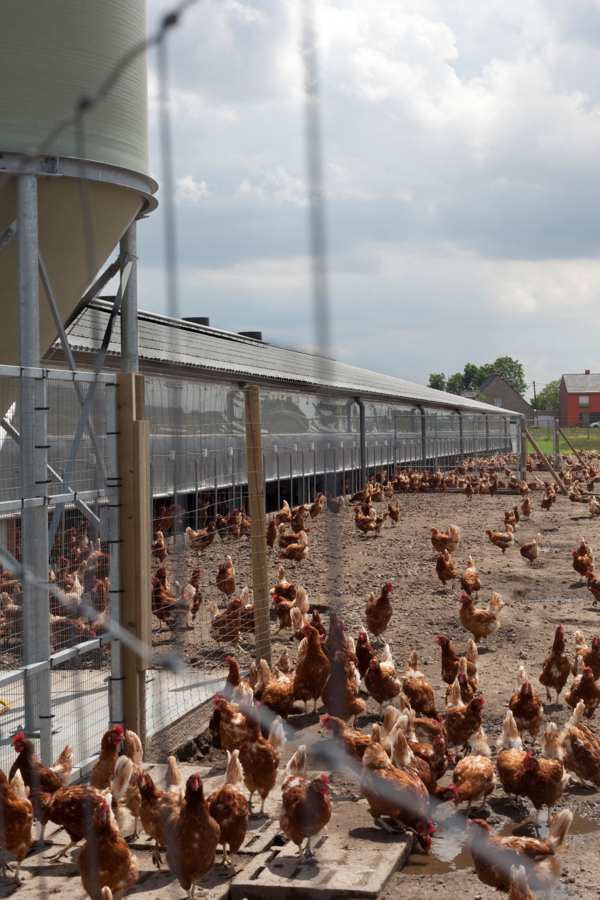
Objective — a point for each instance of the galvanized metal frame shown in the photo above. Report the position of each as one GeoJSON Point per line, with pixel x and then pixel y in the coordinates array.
{"type": "Point", "coordinates": [90, 396]}
{"type": "Point", "coordinates": [62, 334]}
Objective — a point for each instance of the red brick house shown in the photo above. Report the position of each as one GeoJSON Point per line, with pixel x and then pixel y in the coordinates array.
{"type": "Point", "coordinates": [579, 399]}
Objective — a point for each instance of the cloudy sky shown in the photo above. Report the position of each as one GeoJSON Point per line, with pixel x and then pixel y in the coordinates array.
{"type": "Point", "coordinates": [461, 151]}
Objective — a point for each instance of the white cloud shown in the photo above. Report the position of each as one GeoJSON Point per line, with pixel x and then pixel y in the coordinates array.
{"type": "Point", "coordinates": [275, 187]}
{"type": "Point", "coordinates": [192, 191]}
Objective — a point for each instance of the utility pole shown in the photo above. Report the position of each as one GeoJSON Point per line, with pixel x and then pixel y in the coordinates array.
{"type": "Point", "coordinates": [534, 397]}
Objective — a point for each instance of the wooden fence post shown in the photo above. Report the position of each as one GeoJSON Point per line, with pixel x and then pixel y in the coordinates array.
{"type": "Point", "coordinates": [136, 536]}
{"type": "Point", "coordinates": [258, 540]}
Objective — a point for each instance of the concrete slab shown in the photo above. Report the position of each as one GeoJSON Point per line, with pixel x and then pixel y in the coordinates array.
{"type": "Point", "coordinates": [353, 858]}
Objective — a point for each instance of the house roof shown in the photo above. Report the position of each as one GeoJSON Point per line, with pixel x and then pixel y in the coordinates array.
{"type": "Point", "coordinates": [490, 378]}
{"type": "Point", "coordinates": [213, 353]}
{"type": "Point", "coordinates": [582, 384]}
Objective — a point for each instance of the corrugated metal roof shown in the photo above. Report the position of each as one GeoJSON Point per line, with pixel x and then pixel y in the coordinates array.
{"type": "Point", "coordinates": [582, 384]}
{"type": "Point", "coordinates": [173, 341]}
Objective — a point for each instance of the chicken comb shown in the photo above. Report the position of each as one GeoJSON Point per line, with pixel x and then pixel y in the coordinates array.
{"type": "Point", "coordinates": [324, 779]}
{"type": "Point", "coordinates": [118, 729]}
{"type": "Point", "coordinates": [326, 719]}
{"type": "Point", "coordinates": [228, 659]}
{"type": "Point", "coordinates": [528, 755]}
{"type": "Point", "coordinates": [18, 737]}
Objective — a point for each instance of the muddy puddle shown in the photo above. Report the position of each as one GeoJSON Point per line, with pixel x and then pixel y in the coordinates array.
{"type": "Point", "coordinates": [449, 851]}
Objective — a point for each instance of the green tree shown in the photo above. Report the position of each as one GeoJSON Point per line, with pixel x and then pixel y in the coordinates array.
{"type": "Point", "coordinates": [473, 376]}
{"type": "Point", "coordinates": [512, 371]}
{"type": "Point", "coordinates": [454, 385]}
{"type": "Point", "coordinates": [549, 394]}
{"type": "Point", "coordinates": [437, 381]}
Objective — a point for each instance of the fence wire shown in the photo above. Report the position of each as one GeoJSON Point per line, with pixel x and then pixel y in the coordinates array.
{"type": "Point", "coordinates": [78, 564]}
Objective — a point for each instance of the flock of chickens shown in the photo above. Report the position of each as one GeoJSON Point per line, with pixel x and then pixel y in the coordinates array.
{"type": "Point", "coordinates": [81, 573]}
{"type": "Point", "coordinates": [401, 762]}
{"type": "Point", "coordinates": [399, 765]}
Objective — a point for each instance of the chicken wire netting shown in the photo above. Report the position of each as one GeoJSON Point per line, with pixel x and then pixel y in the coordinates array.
{"type": "Point", "coordinates": [74, 487]}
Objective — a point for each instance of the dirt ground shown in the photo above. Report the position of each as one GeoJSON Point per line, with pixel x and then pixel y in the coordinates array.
{"type": "Point", "coordinates": [342, 568]}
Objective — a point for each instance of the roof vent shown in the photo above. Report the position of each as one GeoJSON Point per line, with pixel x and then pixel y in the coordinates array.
{"type": "Point", "coordinates": [587, 371]}
{"type": "Point", "coordinates": [197, 320]}
{"type": "Point", "coordinates": [255, 335]}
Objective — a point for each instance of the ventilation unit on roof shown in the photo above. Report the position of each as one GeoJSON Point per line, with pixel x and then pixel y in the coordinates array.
{"type": "Point", "coordinates": [197, 320]}
{"type": "Point", "coordinates": [255, 335]}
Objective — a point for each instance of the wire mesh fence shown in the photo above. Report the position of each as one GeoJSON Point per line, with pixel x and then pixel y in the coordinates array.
{"type": "Point", "coordinates": [203, 569]}
{"type": "Point", "coordinates": [74, 461]}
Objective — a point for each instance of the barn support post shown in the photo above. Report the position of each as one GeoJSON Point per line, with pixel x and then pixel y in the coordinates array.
{"type": "Point", "coordinates": [461, 446]}
{"type": "Point", "coordinates": [129, 308]}
{"type": "Point", "coordinates": [135, 543]}
{"type": "Point", "coordinates": [363, 443]}
{"type": "Point", "coordinates": [423, 439]}
{"type": "Point", "coordinates": [256, 509]}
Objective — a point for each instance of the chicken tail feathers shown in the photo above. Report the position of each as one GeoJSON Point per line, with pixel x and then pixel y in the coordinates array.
{"type": "Point", "coordinates": [386, 656]}
{"type": "Point", "coordinates": [298, 764]}
{"type": "Point", "coordinates": [135, 751]}
{"type": "Point", "coordinates": [556, 839]}
{"type": "Point", "coordinates": [17, 786]}
{"type": "Point", "coordinates": [518, 889]}
{"type": "Point", "coordinates": [121, 779]}
{"type": "Point", "coordinates": [276, 735]}
{"type": "Point", "coordinates": [63, 765]}
{"type": "Point", "coordinates": [173, 779]}
{"type": "Point", "coordinates": [234, 774]}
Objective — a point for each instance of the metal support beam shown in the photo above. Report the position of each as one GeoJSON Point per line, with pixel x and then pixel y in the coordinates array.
{"type": "Point", "coordinates": [33, 454]}
{"type": "Point", "coordinates": [462, 437]}
{"type": "Point", "coordinates": [363, 442]}
{"type": "Point", "coordinates": [129, 309]}
{"type": "Point", "coordinates": [256, 509]}
{"type": "Point", "coordinates": [423, 437]}
{"type": "Point", "coordinates": [91, 294]}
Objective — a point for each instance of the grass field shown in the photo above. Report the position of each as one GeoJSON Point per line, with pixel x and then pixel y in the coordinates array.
{"type": "Point", "coordinates": [581, 438]}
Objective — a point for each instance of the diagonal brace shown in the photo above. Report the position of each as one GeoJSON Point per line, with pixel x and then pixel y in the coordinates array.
{"type": "Point", "coordinates": [90, 396]}
{"type": "Point", "coordinates": [70, 360]}
{"type": "Point", "coordinates": [83, 508]}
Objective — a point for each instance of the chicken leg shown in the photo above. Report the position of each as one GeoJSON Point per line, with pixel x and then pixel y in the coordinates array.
{"type": "Point", "coordinates": [61, 852]}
